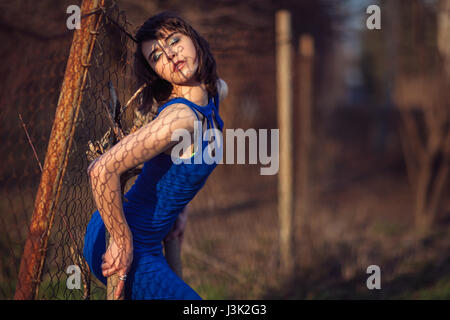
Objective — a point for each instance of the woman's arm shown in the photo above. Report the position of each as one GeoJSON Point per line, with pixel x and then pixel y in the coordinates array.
{"type": "Point", "coordinates": [179, 226]}
{"type": "Point", "coordinates": [144, 144]}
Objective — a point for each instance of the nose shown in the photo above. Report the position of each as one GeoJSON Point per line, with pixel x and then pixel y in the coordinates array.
{"type": "Point", "coordinates": [171, 53]}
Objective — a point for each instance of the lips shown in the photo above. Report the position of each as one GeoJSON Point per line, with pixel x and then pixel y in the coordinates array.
{"type": "Point", "coordinates": [178, 65]}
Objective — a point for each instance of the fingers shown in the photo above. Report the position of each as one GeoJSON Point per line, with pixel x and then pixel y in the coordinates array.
{"type": "Point", "coordinates": [106, 266]}
{"type": "Point", "coordinates": [105, 263]}
{"type": "Point", "coordinates": [109, 271]}
{"type": "Point", "coordinates": [118, 294]}
{"type": "Point", "coordinates": [115, 262]}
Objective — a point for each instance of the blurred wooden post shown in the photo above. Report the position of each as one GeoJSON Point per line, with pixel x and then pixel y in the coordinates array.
{"type": "Point", "coordinates": [284, 101]}
{"type": "Point", "coordinates": [443, 33]}
{"type": "Point", "coordinates": [305, 88]}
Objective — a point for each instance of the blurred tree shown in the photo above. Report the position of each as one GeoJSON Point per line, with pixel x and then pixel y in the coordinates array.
{"type": "Point", "coordinates": [407, 64]}
{"type": "Point", "coordinates": [421, 93]}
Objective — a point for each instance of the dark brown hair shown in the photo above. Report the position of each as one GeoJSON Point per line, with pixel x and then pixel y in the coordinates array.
{"type": "Point", "coordinates": [158, 90]}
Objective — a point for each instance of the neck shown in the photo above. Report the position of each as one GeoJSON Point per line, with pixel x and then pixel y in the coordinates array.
{"type": "Point", "coordinates": [196, 93]}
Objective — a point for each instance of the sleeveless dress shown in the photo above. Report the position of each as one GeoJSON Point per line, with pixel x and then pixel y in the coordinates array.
{"type": "Point", "coordinates": [159, 194]}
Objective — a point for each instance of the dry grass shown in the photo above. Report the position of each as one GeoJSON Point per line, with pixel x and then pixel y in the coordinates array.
{"type": "Point", "coordinates": [362, 223]}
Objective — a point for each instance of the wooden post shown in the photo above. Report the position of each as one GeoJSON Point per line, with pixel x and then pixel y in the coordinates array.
{"type": "Point", "coordinates": [284, 101]}
{"type": "Point", "coordinates": [443, 33]}
{"type": "Point", "coordinates": [305, 88]}
{"type": "Point", "coordinates": [57, 154]}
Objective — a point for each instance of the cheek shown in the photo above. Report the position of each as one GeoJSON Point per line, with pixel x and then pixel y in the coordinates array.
{"type": "Point", "coordinates": [193, 54]}
{"type": "Point", "coordinates": [196, 62]}
{"type": "Point", "coordinates": [162, 68]}
{"type": "Point", "coordinates": [186, 50]}
{"type": "Point", "coordinates": [192, 58]}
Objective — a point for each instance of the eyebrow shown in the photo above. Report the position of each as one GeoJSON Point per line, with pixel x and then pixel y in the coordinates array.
{"type": "Point", "coordinates": [153, 51]}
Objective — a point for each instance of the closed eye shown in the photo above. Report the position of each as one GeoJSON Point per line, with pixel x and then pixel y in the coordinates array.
{"type": "Point", "coordinates": [174, 40]}
{"type": "Point", "coordinates": [156, 56]}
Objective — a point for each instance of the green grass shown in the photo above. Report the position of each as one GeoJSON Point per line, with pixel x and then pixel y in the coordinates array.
{"type": "Point", "coordinates": [7, 289]}
{"type": "Point", "coordinates": [388, 228]}
{"type": "Point", "coordinates": [438, 291]}
{"type": "Point", "coordinates": [57, 290]}
{"type": "Point", "coordinates": [212, 292]}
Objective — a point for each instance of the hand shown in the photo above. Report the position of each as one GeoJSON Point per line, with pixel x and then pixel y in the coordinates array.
{"type": "Point", "coordinates": [117, 260]}
{"type": "Point", "coordinates": [179, 227]}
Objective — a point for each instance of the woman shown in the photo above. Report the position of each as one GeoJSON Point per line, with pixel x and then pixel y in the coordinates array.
{"type": "Point", "coordinates": [180, 72]}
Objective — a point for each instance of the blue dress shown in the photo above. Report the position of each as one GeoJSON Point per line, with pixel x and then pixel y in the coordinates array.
{"type": "Point", "coordinates": [159, 194]}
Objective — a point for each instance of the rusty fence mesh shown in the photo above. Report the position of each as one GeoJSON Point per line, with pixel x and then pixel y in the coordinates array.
{"type": "Point", "coordinates": [33, 71]}
{"type": "Point", "coordinates": [109, 65]}
{"type": "Point", "coordinates": [231, 238]}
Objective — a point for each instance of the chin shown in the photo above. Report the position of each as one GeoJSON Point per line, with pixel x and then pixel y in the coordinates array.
{"type": "Point", "coordinates": [184, 81]}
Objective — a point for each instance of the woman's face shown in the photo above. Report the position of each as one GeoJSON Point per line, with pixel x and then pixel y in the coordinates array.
{"type": "Point", "coordinates": [173, 57]}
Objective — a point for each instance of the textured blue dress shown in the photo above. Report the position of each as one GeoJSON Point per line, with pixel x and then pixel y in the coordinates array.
{"type": "Point", "coordinates": [159, 194]}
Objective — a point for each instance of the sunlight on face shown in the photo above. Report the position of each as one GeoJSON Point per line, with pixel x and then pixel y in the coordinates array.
{"type": "Point", "coordinates": [173, 57]}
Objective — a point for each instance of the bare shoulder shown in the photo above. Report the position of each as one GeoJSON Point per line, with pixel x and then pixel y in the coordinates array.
{"type": "Point", "coordinates": [178, 114]}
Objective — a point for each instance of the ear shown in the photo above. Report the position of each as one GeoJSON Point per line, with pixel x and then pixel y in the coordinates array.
{"type": "Point", "coordinates": [222, 88]}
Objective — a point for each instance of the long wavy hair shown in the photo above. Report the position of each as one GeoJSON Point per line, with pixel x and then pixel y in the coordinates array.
{"type": "Point", "coordinates": [158, 90]}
